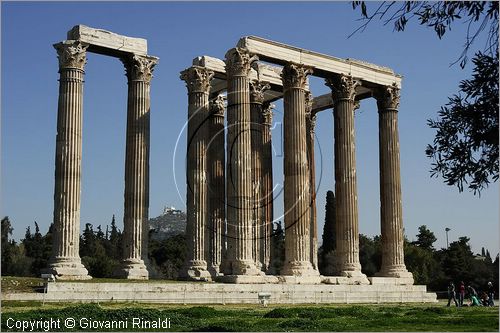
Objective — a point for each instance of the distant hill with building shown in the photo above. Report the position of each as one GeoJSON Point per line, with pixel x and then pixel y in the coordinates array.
{"type": "Point", "coordinates": [170, 223]}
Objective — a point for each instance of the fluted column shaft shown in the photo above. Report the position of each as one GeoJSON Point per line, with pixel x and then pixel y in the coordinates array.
{"type": "Point", "coordinates": [267, 186]}
{"type": "Point", "coordinates": [65, 261]}
{"type": "Point", "coordinates": [217, 185]}
{"type": "Point", "coordinates": [346, 212]}
{"type": "Point", "coordinates": [239, 169]}
{"type": "Point", "coordinates": [310, 125]}
{"type": "Point", "coordinates": [296, 172]}
{"type": "Point", "coordinates": [136, 204]}
{"type": "Point", "coordinates": [197, 232]}
{"type": "Point", "coordinates": [256, 99]}
{"type": "Point", "coordinates": [393, 264]}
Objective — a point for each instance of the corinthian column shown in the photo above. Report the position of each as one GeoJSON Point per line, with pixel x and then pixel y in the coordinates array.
{"type": "Point", "coordinates": [198, 84]}
{"type": "Point", "coordinates": [256, 99]}
{"type": "Point", "coordinates": [65, 262]}
{"type": "Point", "coordinates": [239, 168]}
{"type": "Point", "coordinates": [296, 170]}
{"type": "Point", "coordinates": [310, 124]}
{"type": "Point", "coordinates": [393, 264]}
{"type": "Point", "coordinates": [139, 71]}
{"type": "Point", "coordinates": [217, 185]}
{"type": "Point", "coordinates": [267, 186]}
{"type": "Point", "coordinates": [346, 212]}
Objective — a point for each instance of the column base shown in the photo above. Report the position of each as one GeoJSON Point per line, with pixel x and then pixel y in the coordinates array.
{"type": "Point", "coordinates": [245, 267]}
{"type": "Point", "coordinates": [195, 270]}
{"type": "Point", "coordinates": [299, 268]}
{"type": "Point", "coordinates": [397, 272]}
{"type": "Point", "coordinates": [214, 270]}
{"type": "Point", "coordinates": [247, 279]}
{"type": "Point", "coordinates": [67, 269]}
{"type": "Point", "coordinates": [133, 269]}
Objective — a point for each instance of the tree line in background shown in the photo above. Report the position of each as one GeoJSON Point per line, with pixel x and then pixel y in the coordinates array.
{"type": "Point", "coordinates": [432, 267]}
{"type": "Point", "coordinates": [101, 252]}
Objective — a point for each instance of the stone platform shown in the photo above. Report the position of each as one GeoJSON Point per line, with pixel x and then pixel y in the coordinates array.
{"type": "Point", "coordinates": [221, 293]}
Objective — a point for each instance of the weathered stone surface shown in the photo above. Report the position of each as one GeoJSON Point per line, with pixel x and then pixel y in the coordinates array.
{"type": "Point", "coordinates": [346, 210]}
{"type": "Point", "coordinates": [217, 185]}
{"type": "Point", "coordinates": [108, 42]}
{"type": "Point", "coordinates": [296, 174]}
{"type": "Point", "coordinates": [239, 165]}
{"type": "Point", "coordinates": [65, 261]}
{"type": "Point", "coordinates": [221, 293]}
{"type": "Point", "coordinates": [139, 71]}
{"type": "Point", "coordinates": [393, 264]}
{"type": "Point", "coordinates": [324, 65]}
{"type": "Point", "coordinates": [198, 83]}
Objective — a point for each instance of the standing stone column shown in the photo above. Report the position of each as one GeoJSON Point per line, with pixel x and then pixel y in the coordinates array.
{"type": "Point", "coordinates": [310, 125]}
{"type": "Point", "coordinates": [198, 83]}
{"type": "Point", "coordinates": [393, 264]}
{"type": "Point", "coordinates": [217, 185]}
{"type": "Point", "coordinates": [296, 170]}
{"type": "Point", "coordinates": [65, 261]}
{"type": "Point", "coordinates": [346, 210]}
{"type": "Point", "coordinates": [267, 186]}
{"type": "Point", "coordinates": [136, 204]}
{"type": "Point", "coordinates": [256, 99]}
{"type": "Point", "coordinates": [239, 168]}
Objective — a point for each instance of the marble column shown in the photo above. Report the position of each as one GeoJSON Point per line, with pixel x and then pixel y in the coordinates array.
{"type": "Point", "coordinates": [198, 84]}
{"type": "Point", "coordinates": [346, 212]}
{"type": "Point", "coordinates": [217, 184]}
{"type": "Point", "coordinates": [65, 261]}
{"type": "Point", "coordinates": [296, 172]}
{"type": "Point", "coordinates": [139, 71]}
{"type": "Point", "coordinates": [267, 186]}
{"type": "Point", "coordinates": [310, 125]}
{"type": "Point", "coordinates": [257, 89]}
{"type": "Point", "coordinates": [239, 167]}
{"type": "Point", "coordinates": [391, 216]}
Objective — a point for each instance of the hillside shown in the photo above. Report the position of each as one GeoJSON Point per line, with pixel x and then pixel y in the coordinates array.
{"type": "Point", "coordinates": [171, 222]}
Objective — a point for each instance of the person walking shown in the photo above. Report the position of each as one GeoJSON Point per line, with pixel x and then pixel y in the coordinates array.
{"type": "Point", "coordinates": [451, 294]}
{"type": "Point", "coordinates": [491, 294]}
{"type": "Point", "coordinates": [461, 293]}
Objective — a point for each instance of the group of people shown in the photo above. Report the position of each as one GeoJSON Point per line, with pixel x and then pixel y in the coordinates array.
{"type": "Point", "coordinates": [485, 299]}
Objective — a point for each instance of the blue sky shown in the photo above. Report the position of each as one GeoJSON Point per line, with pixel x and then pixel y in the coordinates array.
{"type": "Point", "coordinates": [178, 32]}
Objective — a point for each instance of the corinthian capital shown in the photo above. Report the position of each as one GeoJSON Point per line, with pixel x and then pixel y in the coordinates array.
{"type": "Point", "coordinates": [309, 102]}
{"type": "Point", "coordinates": [388, 97]}
{"type": "Point", "coordinates": [343, 87]}
{"type": "Point", "coordinates": [311, 117]}
{"type": "Point", "coordinates": [257, 89]}
{"type": "Point", "coordinates": [197, 79]}
{"type": "Point", "coordinates": [139, 68]}
{"type": "Point", "coordinates": [239, 61]}
{"type": "Point", "coordinates": [71, 54]}
{"type": "Point", "coordinates": [218, 106]}
{"type": "Point", "coordinates": [267, 114]}
{"type": "Point", "coordinates": [295, 75]}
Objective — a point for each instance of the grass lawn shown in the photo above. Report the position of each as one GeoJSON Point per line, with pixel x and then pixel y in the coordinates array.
{"type": "Point", "coordinates": [274, 318]}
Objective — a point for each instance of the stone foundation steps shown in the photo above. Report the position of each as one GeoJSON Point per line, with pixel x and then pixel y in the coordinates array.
{"type": "Point", "coordinates": [216, 293]}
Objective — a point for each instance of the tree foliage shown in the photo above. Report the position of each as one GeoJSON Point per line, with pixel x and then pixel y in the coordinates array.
{"type": "Point", "coordinates": [480, 16]}
{"type": "Point", "coordinates": [326, 260]}
{"type": "Point", "coordinates": [465, 147]}
{"type": "Point", "coordinates": [425, 238]}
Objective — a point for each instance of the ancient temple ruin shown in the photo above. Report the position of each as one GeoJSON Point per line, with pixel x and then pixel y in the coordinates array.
{"type": "Point", "coordinates": [229, 178]}
{"type": "Point", "coordinates": [229, 194]}
{"type": "Point", "coordinates": [229, 161]}
{"type": "Point", "coordinates": [65, 262]}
